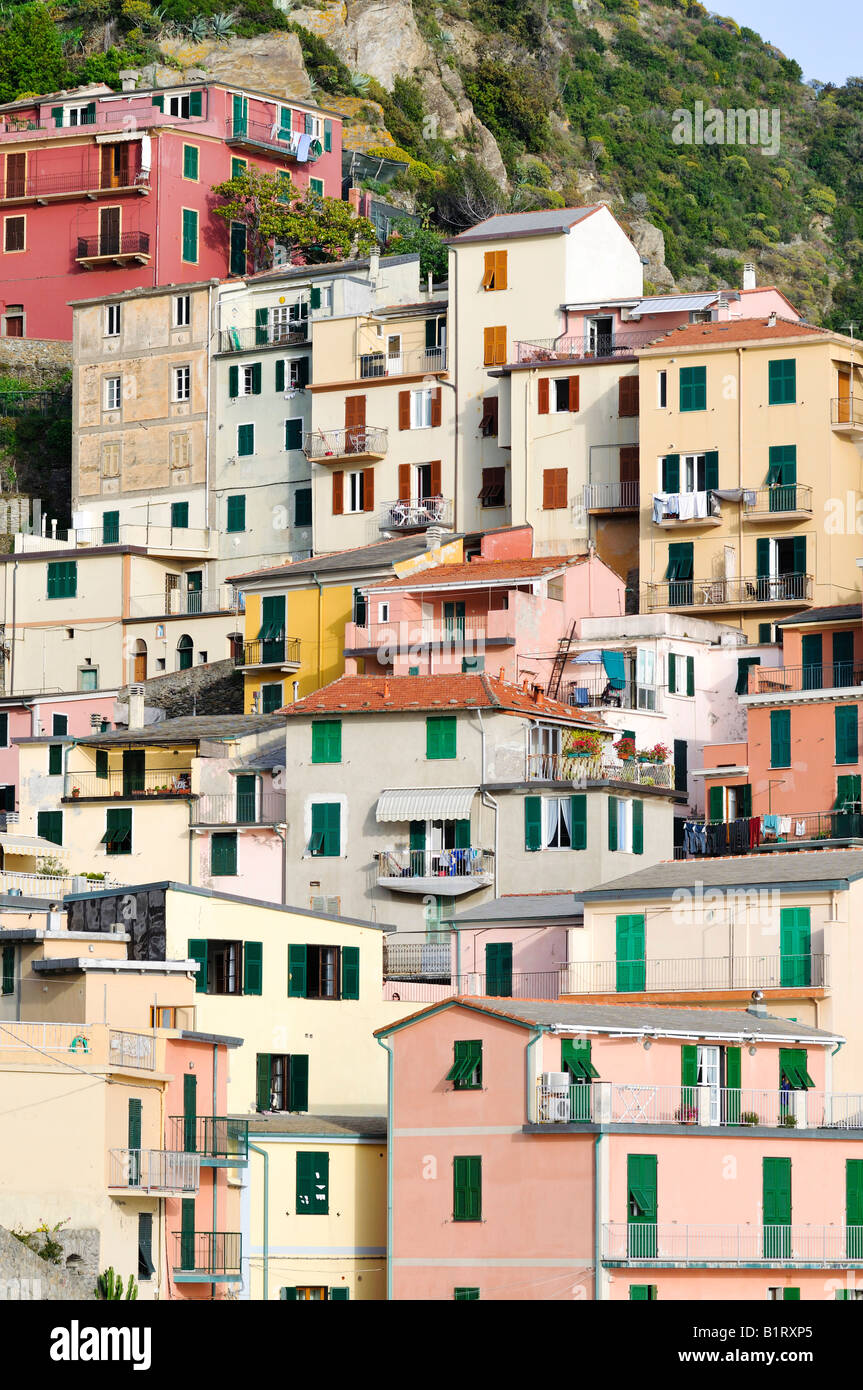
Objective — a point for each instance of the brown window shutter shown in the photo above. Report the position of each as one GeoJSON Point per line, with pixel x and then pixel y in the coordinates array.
{"type": "Point", "coordinates": [500, 346]}
{"type": "Point", "coordinates": [500, 270]}
{"type": "Point", "coordinates": [548, 489]}
{"type": "Point", "coordinates": [488, 270]}
{"type": "Point", "coordinates": [629, 463]}
{"type": "Point", "coordinates": [355, 411]}
{"type": "Point", "coordinates": [368, 489]}
{"type": "Point", "coordinates": [543, 395]}
{"type": "Point", "coordinates": [561, 487]}
{"type": "Point", "coordinates": [436, 487]}
{"type": "Point", "coordinates": [437, 408]}
{"type": "Point", "coordinates": [404, 410]}
{"type": "Point", "coordinates": [488, 421]}
{"type": "Point", "coordinates": [627, 399]}
{"type": "Point", "coordinates": [488, 347]}
{"type": "Point", "coordinates": [573, 393]}
{"type": "Point", "coordinates": [404, 482]}
{"type": "Point", "coordinates": [338, 493]}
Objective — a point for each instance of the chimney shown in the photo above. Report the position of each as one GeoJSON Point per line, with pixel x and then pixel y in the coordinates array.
{"type": "Point", "coordinates": [749, 276]}
{"type": "Point", "coordinates": [757, 1007]}
{"type": "Point", "coordinates": [128, 79]}
{"type": "Point", "coordinates": [354, 199]}
{"type": "Point", "coordinates": [136, 707]}
{"type": "Point", "coordinates": [386, 690]}
{"type": "Point", "coordinates": [500, 674]}
{"type": "Point", "coordinates": [374, 266]}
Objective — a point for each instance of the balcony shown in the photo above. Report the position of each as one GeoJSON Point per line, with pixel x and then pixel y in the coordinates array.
{"type": "Point", "coordinates": [751, 1244]}
{"type": "Point", "coordinates": [220, 1141]}
{"type": "Point", "coordinates": [579, 347]}
{"type": "Point", "coordinates": [183, 603]}
{"type": "Point", "coordinates": [695, 975]}
{"type": "Point", "coordinates": [173, 540]}
{"type": "Point", "coordinates": [694, 595]}
{"type": "Point", "coordinates": [54, 1038]}
{"type": "Point", "coordinates": [283, 652]}
{"type": "Point", "coordinates": [240, 808]}
{"type": "Point", "coordinates": [49, 188]}
{"type": "Point", "coordinates": [782, 502]}
{"type": "Point", "coordinates": [523, 984]}
{"type": "Point", "coordinates": [124, 249]}
{"type": "Point", "coordinates": [674, 509]}
{"type": "Point", "coordinates": [448, 872]}
{"type": "Point", "coordinates": [258, 135]}
{"type": "Point", "coordinates": [621, 1103]}
{"type": "Point", "coordinates": [416, 516]}
{"type": "Point", "coordinates": [846, 415]}
{"type": "Point", "coordinates": [356, 443]}
{"type": "Point", "coordinates": [596, 692]}
{"type": "Point", "coordinates": [821, 679]}
{"type": "Point", "coordinates": [23, 885]}
{"type": "Point", "coordinates": [568, 767]}
{"type": "Point", "coordinates": [495, 627]}
{"type": "Point", "coordinates": [264, 335]}
{"type": "Point", "coordinates": [152, 1172]}
{"type": "Point", "coordinates": [611, 497]}
{"type": "Point", "coordinates": [417, 960]}
{"type": "Point", "coordinates": [418, 362]}
{"type": "Point", "coordinates": [132, 1050]}
{"type": "Point", "coordinates": [207, 1257]}
{"type": "Point", "coordinates": [157, 782]}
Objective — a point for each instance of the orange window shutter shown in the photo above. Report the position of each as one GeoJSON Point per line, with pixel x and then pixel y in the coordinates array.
{"type": "Point", "coordinates": [573, 393]}
{"type": "Point", "coordinates": [338, 494]}
{"type": "Point", "coordinates": [436, 406]}
{"type": "Point", "coordinates": [404, 482]}
{"type": "Point", "coordinates": [500, 270]}
{"type": "Point", "coordinates": [488, 271]}
{"type": "Point", "coordinates": [436, 486]}
{"type": "Point", "coordinates": [562, 488]}
{"type": "Point", "coordinates": [404, 410]}
{"type": "Point", "coordinates": [548, 488]}
{"type": "Point", "coordinates": [629, 463]}
{"type": "Point", "coordinates": [543, 395]}
{"type": "Point", "coordinates": [500, 347]}
{"type": "Point", "coordinates": [368, 489]}
{"type": "Point", "coordinates": [355, 410]}
{"type": "Point", "coordinates": [488, 347]}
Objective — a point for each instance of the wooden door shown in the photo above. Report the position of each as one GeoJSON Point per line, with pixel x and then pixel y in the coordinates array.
{"type": "Point", "coordinates": [109, 231]}
{"type": "Point", "coordinates": [140, 667]}
{"type": "Point", "coordinates": [16, 175]}
{"type": "Point", "coordinates": [355, 423]}
{"type": "Point", "coordinates": [843, 416]}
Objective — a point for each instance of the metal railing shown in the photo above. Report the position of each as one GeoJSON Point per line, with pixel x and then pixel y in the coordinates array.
{"type": "Point", "coordinates": [639, 1243]}
{"type": "Point", "coordinates": [568, 767]}
{"type": "Point", "coordinates": [725, 593]}
{"type": "Point", "coordinates": [153, 781]}
{"type": "Point", "coordinates": [123, 244]}
{"type": "Point", "coordinates": [195, 540]}
{"type": "Point", "coordinates": [417, 958]}
{"type": "Point", "coordinates": [240, 808]}
{"type": "Point", "coordinates": [264, 335]}
{"type": "Point", "coordinates": [50, 403]}
{"type": "Point", "coordinates": [184, 602]}
{"type": "Point", "coordinates": [56, 185]}
{"type": "Point", "coordinates": [45, 1037]}
{"type": "Point", "coordinates": [415, 516]}
{"type": "Point", "coordinates": [637, 1103]}
{"type": "Point", "coordinates": [211, 1136]}
{"type": "Point", "coordinates": [356, 439]}
{"type": "Point", "coordinates": [281, 651]}
{"type": "Point", "coordinates": [673, 975]}
{"type": "Point", "coordinates": [611, 497]}
{"type": "Point", "coordinates": [35, 885]}
{"type": "Point", "coordinates": [594, 692]}
{"type": "Point", "coordinates": [847, 410]}
{"type": "Point", "coordinates": [782, 497]}
{"type": "Point", "coordinates": [415, 632]}
{"type": "Point", "coordinates": [522, 984]}
{"type": "Point", "coordinates": [154, 1170]}
{"type": "Point", "coordinates": [132, 1050]}
{"type": "Point", "coordinates": [416, 362]}
{"type": "Point", "coordinates": [208, 1253]}
{"type": "Point", "coordinates": [839, 824]}
{"type": "Point", "coordinates": [581, 346]}
{"type": "Point", "coordinates": [444, 863]}
{"type": "Point", "coordinates": [784, 680]}
{"type": "Point", "coordinates": [703, 507]}
{"type": "Point", "coordinates": [273, 135]}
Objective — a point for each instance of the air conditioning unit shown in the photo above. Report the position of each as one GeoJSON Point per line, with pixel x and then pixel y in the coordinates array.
{"type": "Point", "coordinates": [556, 1081]}
{"type": "Point", "coordinates": [555, 1097]}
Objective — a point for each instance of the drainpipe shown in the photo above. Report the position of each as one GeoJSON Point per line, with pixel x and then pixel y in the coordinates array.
{"type": "Point", "coordinates": [215, 1171]}
{"type": "Point", "coordinates": [191, 848]}
{"type": "Point", "coordinates": [597, 1223]}
{"type": "Point", "coordinates": [316, 581]}
{"type": "Point", "coordinates": [527, 1086]}
{"type": "Point", "coordinates": [210, 334]}
{"type": "Point", "coordinates": [266, 1157]}
{"type": "Point", "coordinates": [12, 641]}
{"type": "Point", "coordinates": [490, 802]}
{"type": "Point", "coordinates": [390, 1140]}
{"type": "Point", "coordinates": [740, 508]}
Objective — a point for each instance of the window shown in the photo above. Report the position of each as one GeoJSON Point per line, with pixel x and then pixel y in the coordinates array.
{"type": "Point", "coordinates": [59, 724]}
{"type": "Point", "coordinates": [63, 579]}
{"type": "Point", "coordinates": [180, 516]}
{"type": "Point", "coordinates": [13, 233]}
{"type": "Point", "coordinates": [182, 310]}
{"type": "Point", "coordinates": [662, 389]}
{"type": "Point", "coordinates": [189, 235]}
{"type": "Point", "coordinates": [743, 666]}
{"type": "Point", "coordinates": [693, 388]}
{"type": "Point", "coordinates": [464, 1294]}
{"type": "Point", "coordinates": [494, 347]}
{"type": "Point", "coordinates": [681, 674]}
{"type": "Point", "coordinates": [782, 381]}
{"type": "Point", "coordinates": [146, 1267]}
{"type": "Point", "coordinates": [780, 738]}
{"type": "Point", "coordinates": [421, 409]}
{"type": "Point", "coordinates": [466, 1070]}
{"type": "Point", "coordinates": [554, 488]}
{"type": "Point", "coordinates": [293, 434]}
{"type": "Point", "coordinates": [691, 472]}
{"type": "Point", "coordinates": [49, 826]}
{"type": "Point", "coordinates": [245, 380]}
{"type": "Point", "coordinates": [494, 273]}
{"type": "Point", "coordinates": [183, 104]}
{"type": "Point", "coordinates": [190, 162]}
{"type": "Point", "coordinates": [555, 822]}
{"type": "Point", "coordinates": [467, 1188]}
{"type": "Point", "coordinates": [627, 397]}
{"type": "Point", "coordinates": [625, 825]}
{"type": "Point", "coordinates": [765, 633]}
{"type": "Point", "coordinates": [561, 396]}
{"type": "Point", "coordinates": [845, 717]}
{"type": "Point", "coordinates": [493, 492]}
{"type": "Point", "coordinates": [323, 972]}
{"type": "Point", "coordinates": [112, 395]}
{"type": "Point", "coordinates": [313, 1184]}
{"type": "Point", "coordinates": [272, 698]}
{"type": "Point", "coordinates": [298, 373]}
{"type": "Point", "coordinates": [646, 1292]}
{"type": "Point", "coordinates": [55, 760]}
{"type": "Point", "coordinates": [316, 187]}
{"type": "Point", "coordinates": [236, 518]}
{"type": "Point", "coordinates": [8, 986]}
{"type": "Point", "coordinates": [228, 967]}
{"type": "Point", "coordinates": [327, 741]}
{"type": "Point", "coordinates": [355, 492]}
{"type": "Point", "coordinates": [360, 613]}
{"type": "Point", "coordinates": [88, 678]}
{"type": "Point", "coordinates": [113, 314]}
{"type": "Point", "coordinates": [729, 803]}
{"type": "Point", "coordinates": [182, 383]}
{"type": "Point", "coordinates": [118, 831]}
{"type": "Point", "coordinates": [184, 653]}
{"type": "Point", "coordinates": [13, 321]}
{"type": "Point", "coordinates": [4, 730]}
{"type": "Point", "coordinates": [488, 424]}
{"type": "Point", "coordinates": [238, 168]}
{"type": "Point", "coordinates": [223, 855]}
{"type": "Point", "coordinates": [282, 1081]}
{"type": "Point", "coordinates": [237, 253]}
{"type": "Point", "coordinates": [441, 736]}
{"type": "Point", "coordinates": [303, 506]}
{"type": "Point", "coordinates": [326, 829]}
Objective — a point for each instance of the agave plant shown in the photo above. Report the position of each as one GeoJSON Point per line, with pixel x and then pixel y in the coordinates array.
{"type": "Point", "coordinates": [222, 25]}
{"type": "Point", "coordinates": [197, 28]}
{"type": "Point", "coordinates": [360, 82]}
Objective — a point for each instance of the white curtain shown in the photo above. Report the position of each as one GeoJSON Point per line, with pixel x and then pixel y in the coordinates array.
{"type": "Point", "coordinates": [549, 820]}
{"type": "Point", "coordinates": [565, 810]}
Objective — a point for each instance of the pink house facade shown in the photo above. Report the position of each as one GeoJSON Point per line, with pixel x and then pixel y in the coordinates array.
{"type": "Point", "coordinates": [102, 191]}
{"type": "Point", "coordinates": [32, 716]}
{"type": "Point", "coordinates": [601, 1114]}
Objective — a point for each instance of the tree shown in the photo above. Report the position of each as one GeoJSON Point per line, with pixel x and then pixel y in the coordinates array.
{"type": "Point", "coordinates": [430, 245]}
{"type": "Point", "coordinates": [31, 54]}
{"type": "Point", "coordinates": [313, 229]}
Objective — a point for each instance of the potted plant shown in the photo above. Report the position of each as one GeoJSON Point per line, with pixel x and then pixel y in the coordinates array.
{"type": "Point", "coordinates": [657, 754]}
{"type": "Point", "coordinates": [749, 1117]}
{"type": "Point", "coordinates": [76, 792]}
{"type": "Point", "coordinates": [687, 1115]}
{"type": "Point", "coordinates": [584, 745]}
{"type": "Point", "coordinates": [625, 749]}
{"type": "Point", "coordinates": [789, 1121]}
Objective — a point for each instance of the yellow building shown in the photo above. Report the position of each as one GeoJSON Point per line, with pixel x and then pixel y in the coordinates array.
{"type": "Point", "coordinates": [750, 466]}
{"type": "Point", "coordinates": [296, 613]}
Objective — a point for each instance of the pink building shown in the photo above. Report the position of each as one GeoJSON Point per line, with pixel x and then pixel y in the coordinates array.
{"type": "Point", "coordinates": [107, 191]}
{"type": "Point", "coordinates": [542, 1150]}
{"type": "Point", "coordinates": [34, 716]}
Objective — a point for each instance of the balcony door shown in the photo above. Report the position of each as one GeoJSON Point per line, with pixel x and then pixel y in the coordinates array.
{"type": "Point", "coordinates": [394, 354]}
{"type": "Point", "coordinates": [16, 175]}
{"type": "Point", "coordinates": [812, 647]}
{"type": "Point", "coordinates": [109, 231]}
{"type": "Point", "coordinates": [795, 948]}
{"type": "Point", "coordinates": [355, 423]}
{"type": "Point", "coordinates": [115, 166]}
{"type": "Point", "coordinates": [133, 771]}
{"type": "Point", "coordinates": [240, 115]}
{"type": "Point", "coordinates": [246, 790]}
{"type": "Point", "coordinates": [272, 632]}
{"type": "Point", "coordinates": [843, 658]}
{"type": "Point", "coordinates": [194, 591]}
{"type": "Point", "coordinates": [629, 955]}
{"type": "Point", "coordinates": [600, 336]}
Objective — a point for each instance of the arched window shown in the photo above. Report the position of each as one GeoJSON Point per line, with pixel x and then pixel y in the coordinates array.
{"type": "Point", "coordinates": [184, 653]}
{"type": "Point", "coordinates": [139, 671]}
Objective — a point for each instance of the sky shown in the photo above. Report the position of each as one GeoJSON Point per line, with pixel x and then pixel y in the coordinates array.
{"type": "Point", "coordinates": [824, 38]}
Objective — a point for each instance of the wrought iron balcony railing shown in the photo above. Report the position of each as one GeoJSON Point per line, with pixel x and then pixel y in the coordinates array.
{"type": "Point", "coordinates": [345, 443]}
{"type": "Point", "coordinates": [240, 808]}
{"type": "Point", "coordinates": [729, 593]}
{"type": "Point", "coordinates": [787, 680]}
{"type": "Point", "coordinates": [91, 248]}
{"type": "Point", "coordinates": [212, 1137]}
{"type": "Point", "coordinates": [684, 974]}
{"type": "Point", "coordinates": [643, 1243]}
{"type": "Point", "coordinates": [279, 651]}
{"type": "Point", "coordinates": [207, 1255]}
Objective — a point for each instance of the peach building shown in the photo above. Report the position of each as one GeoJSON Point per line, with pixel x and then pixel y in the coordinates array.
{"type": "Point", "coordinates": [545, 1151]}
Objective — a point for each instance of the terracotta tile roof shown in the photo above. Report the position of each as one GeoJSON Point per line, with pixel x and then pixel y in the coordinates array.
{"type": "Point", "coordinates": [378, 552]}
{"type": "Point", "coordinates": [441, 694]}
{"type": "Point", "coordinates": [735, 331]}
{"type": "Point", "coordinates": [481, 571]}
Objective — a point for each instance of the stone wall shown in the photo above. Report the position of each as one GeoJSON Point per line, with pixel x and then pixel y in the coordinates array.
{"type": "Point", "coordinates": [216, 688]}
{"type": "Point", "coordinates": [19, 355]}
{"type": "Point", "coordinates": [24, 1275]}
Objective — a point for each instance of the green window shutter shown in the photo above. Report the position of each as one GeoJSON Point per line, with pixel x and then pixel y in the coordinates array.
{"type": "Point", "coordinates": [223, 854]}
{"type": "Point", "coordinates": [256, 378]}
{"type": "Point", "coordinates": [236, 515]}
{"type": "Point", "coordinates": [782, 381]}
{"type": "Point", "coordinates": [293, 434]}
{"type": "Point", "coordinates": [795, 947]}
{"type": "Point", "coordinates": [159, 102]}
{"type": "Point", "coordinates": [195, 103]}
{"type": "Point", "coordinates": [765, 632]}
{"type": "Point", "coordinates": [743, 665]}
{"type": "Point", "coordinates": [762, 557]}
{"type": "Point", "coordinates": [847, 791]}
{"type": "Point", "coordinates": [417, 831]}
{"type": "Point", "coordinates": [350, 972]}
{"type": "Point", "coordinates": [238, 168]}
{"type": "Point", "coordinates": [272, 698]}
{"type": "Point", "coordinates": [233, 381]}
{"type": "Point", "coordinates": [8, 986]}
{"type": "Point", "coordinates": [190, 235]}
{"type": "Point", "coordinates": [297, 973]}
{"type": "Point", "coordinates": [262, 317]}
{"type": "Point", "coordinates": [49, 826]}
{"type": "Point", "coordinates": [533, 822]}
{"type": "Point", "coordinates": [845, 718]}
{"type": "Point", "coordinates": [55, 759]}
{"type": "Point", "coordinates": [638, 827]}
{"type": "Point", "coordinates": [238, 259]}
{"type": "Point", "coordinates": [313, 1184]}
{"type": "Point", "coordinates": [467, 1188]}
{"type": "Point", "coordinates": [146, 1267]}
{"type": "Point", "coordinates": [744, 800]}
{"type": "Point", "coordinates": [733, 1071]}
{"type": "Point", "coordinates": [190, 161]}
{"type": "Point", "coordinates": [340, 1295]}
{"type": "Point", "coordinates": [110, 528]}
{"type": "Point", "coordinates": [680, 560]}
{"type": "Point", "coordinates": [326, 829]}
{"type": "Point", "coordinates": [688, 1065]}
{"type": "Point", "coordinates": [288, 1293]}
{"type": "Point", "coordinates": [716, 803]}
{"type": "Point", "coordinates": [462, 834]}
{"type": "Point", "coordinates": [690, 675]}
{"type": "Point", "coordinates": [799, 558]}
{"type": "Point", "coordinates": [262, 1081]}
{"type": "Point", "coordinates": [315, 297]}
{"type": "Point", "coordinates": [780, 738]}
{"type": "Point", "coordinates": [642, 1292]}
{"type": "Point", "coordinates": [612, 822]}
{"type": "Point", "coordinates": [693, 388]}
{"type": "Point", "coordinates": [854, 1208]}
{"type": "Point", "coordinates": [575, 1058]}
{"type": "Point", "coordinates": [642, 1194]}
{"type": "Point", "coordinates": [190, 1112]}
{"type": "Point", "coordinates": [711, 470]}
{"type": "Point", "coordinates": [672, 674]}
{"type": "Point", "coordinates": [776, 1207]}
{"type": "Point", "coordinates": [441, 735]}
{"type": "Point", "coordinates": [671, 473]}
{"type": "Point", "coordinates": [134, 1112]}
{"type": "Point", "coordinates": [578, 806]}
{"type": "Point", "coordinates": [253, 967]}
{"type": "Point", "coordinates": [245, 440]}
{"type": "Point", "coordinates": [187, 1233]}
{"type": "Point", "coordinates": [280, 373]}
{"type": "Point", "coordinates": [498, 968]}
{"type": "Point", "coordinates": [327, 741]}
{"type": "Point", "coordinates": [198, 952]}
{"type": "Point", "coordinates": [179, 516]}
{"type": "Point", "coordinates": [57, 111]}
{"type": "Point", "coordinates": [299, 1072]}
{"type": "Point", "coordinates": [629, 943]}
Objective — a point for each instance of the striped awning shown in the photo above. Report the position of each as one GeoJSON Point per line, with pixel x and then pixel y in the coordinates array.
{"type": "Point", "coordinates": [426, 803]}
{"type": "Point", "coordinates": [29, 844]}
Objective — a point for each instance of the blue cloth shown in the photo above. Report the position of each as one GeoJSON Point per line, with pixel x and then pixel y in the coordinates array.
{"type": "Point", "coordinates": [581, 695]}
{"type": "Point", "coordinates": [615, 669]}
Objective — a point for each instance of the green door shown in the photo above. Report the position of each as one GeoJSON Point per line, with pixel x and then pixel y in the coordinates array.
{"type": "Point", "coordinates": [776, 1199]}
{"type": "Point", "coordinates": [194, 591]}
{"type": "Point", "coordinates": [453, 618]}
{"type": "Point", "coordinates": [110, 528]}
{"type": "Point", "coordinates": [641, 1205]}
{"type": "Point", "coordinates": [854, 1209]}
{"type": "Point", "coordinates": [812, 654]}
{"type": "Point", "coordinates": [273, 628]}
{"type": "Point", "coordinates": [843, 658]}
{"type": "Point", "coordinates": [134, 1143]}
{"type": "Point", "coordinates": [246, 799]}
{"type": "Point", "coordinates": [238, 258]}
{"type": "Point", "coordinates": [631, 971]}
{"type": "Point", "coordinates": [133, 771]}
{"type": "Point", "coordinates": [576, 1060]}
{"type": "Point", "coordinates": [190, 1113]}
{"type": "Point", "coordinates": [187, 1233]}
{"type": "Point", "coordinates": [241, 114]}
{"type": "Point", "coordinates": [733, 1106]}
{"type": "Point", "coordinates": [795, 948]}
{"type": "Point", "coordinates": [498, 968]}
